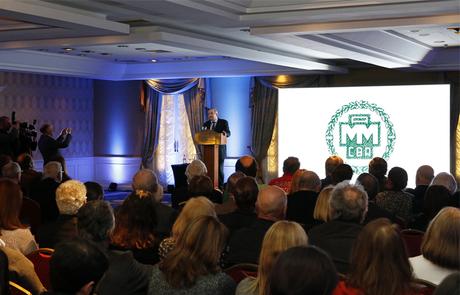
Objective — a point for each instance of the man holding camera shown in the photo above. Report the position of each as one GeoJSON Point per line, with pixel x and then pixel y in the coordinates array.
{"type": "Point", "coordinates": [49, 147]}
{"type": "Point", "coordinates": [9, 136]}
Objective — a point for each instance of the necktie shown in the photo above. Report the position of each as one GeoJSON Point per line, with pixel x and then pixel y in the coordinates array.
{"type": "Point", "coordinates": [213, 125]}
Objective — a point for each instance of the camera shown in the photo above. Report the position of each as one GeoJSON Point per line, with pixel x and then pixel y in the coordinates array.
{"type": "Point", "coordinates": [27, 141]}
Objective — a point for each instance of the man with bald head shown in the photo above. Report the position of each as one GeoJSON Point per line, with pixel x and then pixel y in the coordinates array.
{"type": "Point", "coordinates": [302, 202]}
{"type": "Point", "coordinates": [423, 178]}
{"type": "Point", "coordinates": [146, 180]}
{"type": "Point", "coordinates": [247, 165]}
{"type": "Point", "coordinates": [245, 244]}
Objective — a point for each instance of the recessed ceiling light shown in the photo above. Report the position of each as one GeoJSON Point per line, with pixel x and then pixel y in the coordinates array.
{"type": "Point", "coordinates": [105, 53]}
{"type": "Point", "coordinates": [122, 46]}
{"type": "Point", "coordinates": [424, 35]}
{"type": "Point", "coordinates": [153, 60]}
{"type": "Point", "coordinates": [140, 48]}
{"type": "Point", "coordinates": [68, 49]}
{"type": "Point", "coordinates": [414, 31]}
{"type": "Point", "coordinates": [439, 41]}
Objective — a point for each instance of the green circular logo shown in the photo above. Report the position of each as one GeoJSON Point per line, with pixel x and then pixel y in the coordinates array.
{"type": "Point", "coordinates": [358, 132]}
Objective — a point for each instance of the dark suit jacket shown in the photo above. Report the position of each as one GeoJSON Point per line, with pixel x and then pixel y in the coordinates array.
{"type": "Point", "coordinates": [374, 212]}
{"type": "Point", "coordinates": [419, 194]}
{"type": "Point", "coordinates": [52, 233]}
{"type": "Point", "coordinates": [221, 126]}
{"type": "Point", "coordinates": [45, 194]}
{"type": "Point", "coordinates": [49, 147]}
{"type": "Point", "coordinates": [9, 142]}
{"type": "Point", "coordinates": [300, 206]}
{"type": "Point", "coordinates": [166, 216]}
{"type": "Point", "coordinates": [336, 238]}
{"type": "Point", "coordinates": [125, 276]}
{"type": "Point", "coordinates": [238, 219]}
{"type": "Point", "coordinates": [246, 243]}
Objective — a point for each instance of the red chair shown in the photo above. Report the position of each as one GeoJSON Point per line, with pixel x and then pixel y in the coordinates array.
{"type": "Point", "coordinates": [238, 272]}
{"type": "Point", "coordinates": [41, 260]}
{"type": "Point", "coordinates": [413, 240]}
{"type": "Point", "coordinates": [16, 289]}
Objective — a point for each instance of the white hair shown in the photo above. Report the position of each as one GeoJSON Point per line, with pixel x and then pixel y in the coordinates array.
{"type": "Point", "coordinates": [195, 168]}
{"type": "Point", "coordinates": [70, 196]}
{"type": "Point", "coordinates": [446, 180]}
{"type": "Point", "coordinates": [12, 171]}
{"type": "Point", "coordinates": [348, 202]}
{"type": "Point", "coordinates": [53, 170]}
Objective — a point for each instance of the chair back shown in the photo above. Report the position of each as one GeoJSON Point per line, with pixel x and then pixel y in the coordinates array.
{"type": "Point", "coordinates": [41, 260]}
{"type": "Point", "coordinates": [31, 215]}
{"type": "Point", "coordinates": [423, 287]}
{"type": "Point", "coordinates": [238, 272]}
{"type": "Point", "coordinates": [413, 241]}
{"type": "Point", "coordinates": [15, 289]}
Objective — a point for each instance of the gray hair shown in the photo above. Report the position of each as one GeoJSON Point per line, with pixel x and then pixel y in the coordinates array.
{"type": "Point", "coordinates": [348, 202]}
{"type": "Point", "coordinates": [146, 180]}
{"type": "Point", "coordinates": [96, 221]}
{"type": "Point", "coordinates": [446, 180]}
{"type": "Point", "coordinates": [53, 170]}
{"type": "Point", "coordinates": [195, 168]}
{"type": "Point", "coordinates": [12, 171]}
{"type": "Point", "coordinates": [309, 180]}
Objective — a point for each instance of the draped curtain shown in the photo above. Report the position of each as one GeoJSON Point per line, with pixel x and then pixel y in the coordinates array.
{"type": "Point", "coordinates": [151, 95]}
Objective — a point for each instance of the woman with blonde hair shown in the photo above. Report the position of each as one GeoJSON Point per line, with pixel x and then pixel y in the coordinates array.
{"type": "Point", "coordinates": [281, 236]}
{"type": "Point", "coordinates": [192, 267]}
{"type": "Point", "coordinates": [195, 207]}
{"type": "Point", "coordinates": [321, 212]}
{"type": "Point", "coordinates": [440, 247]}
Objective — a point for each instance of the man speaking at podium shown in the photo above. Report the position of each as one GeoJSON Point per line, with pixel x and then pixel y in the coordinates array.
{"type": "Point", "coordinates": [220, 126]}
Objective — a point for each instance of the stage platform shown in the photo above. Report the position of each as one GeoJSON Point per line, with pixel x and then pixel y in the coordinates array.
{"type": "Point", "coordinates": [115, 198]}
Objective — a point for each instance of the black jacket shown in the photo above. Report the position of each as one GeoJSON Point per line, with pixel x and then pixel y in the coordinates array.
{"type": "Point", "coordinates": [49, 147]}
{"type": "Point", "coordinates": [221, 126]}
{"type": "Point", "coordinates": [300, 207]}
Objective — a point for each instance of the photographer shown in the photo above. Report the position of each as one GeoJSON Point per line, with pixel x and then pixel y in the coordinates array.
{"type": "Point", "coordinates": [49, 147]}
{"type": "Point", "coordinates": [9, 136]}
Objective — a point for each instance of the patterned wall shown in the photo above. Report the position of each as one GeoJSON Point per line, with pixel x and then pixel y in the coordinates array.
{"type": "Point", "coordinates": [61, 101]}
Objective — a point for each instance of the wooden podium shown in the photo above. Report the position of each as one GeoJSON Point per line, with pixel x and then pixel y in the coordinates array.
{"type": "Point", "coordinates": [210, 141]}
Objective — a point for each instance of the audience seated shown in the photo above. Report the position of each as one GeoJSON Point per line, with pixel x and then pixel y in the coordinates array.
{"type": "Point", "coordinates": [245, 194]}
{"type": "Point", "coordinates": [341, 173]}
{"type": "Point", "coordinates": [436, 198]}
{"type": "Point", "coordinates": [192, 267]}
{"type": "Point", "coordinates": [302, 197]}
{"type": "Point", "coordinates": [447, 180]}
{"type": "Point", "coordinates": [290, 166]}
{"type": "Point", "coordinates": [371, 186]}
{"type": "Point", "coordinates": [440, 247]}
{"type": "Point", "coordinates": [45, 192]}
{"type": "Point", "coordinates": [94, 191]}
{"type": "Point", "coordinates": [125, 275]}
{"type": "Point", "coordinates": [348, 206]}
{"type": "Point", "coordinates": [146, 180]}
{"type": "Point", "coordinates": [378, 167]}
{"type": "Point", "coordinates": [331, 163]}
{"type": "Point", "coordinates": [202, 186]}
{"type": "Point", "coordinates": [379, 263]}
{"type": "Point", "coordinates": [135, 224]}
{"type": "Point", "coordinates": [180, 194]}
{"type": "Point", "coordinates": [321, 214]}
{"type": "Point", "coordinates": [423, 178]}
{"type": "Point", "coordinates": [228, 198]}
{"type": "Point", "coordinates": [76, 267]}
{"type": "Point", "coordinates": [449, 286]}
{"type": "Point", "coordinates": [247, 165]}
{"type": "Point", "coordinates": [21, 271]}
{"type": "Point", "coordinates": [245, 244]}
{"type": "Point", "coordinates": [281, 236]}
{"type": "Point", "coordinates": [12, 171]}
{"type": "Point", "coordinates": [12, 231]}
{"type": "Point", "coordinates": [70, 196]}
{"type": "Point", "coordinates": [394, 199]}
{"type": "Point", "coordinates": [194, 208]}
{"type": "Point", "coordinates": [303, 270]}
{"type": "Point", "coordinates": [29, 177]}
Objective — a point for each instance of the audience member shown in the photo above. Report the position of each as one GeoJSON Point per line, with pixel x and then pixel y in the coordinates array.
{"type": "Point", "coordinates": [49, 147]}
{"type": "Point", "coordinates": [394, 199]}
{"type": "Point", "coordinates": [343, 172]}
{"type": "Point", "coordinates": [4, 159]}
{"type": "Point", "coordinates": [9, 136]}
{"type": "Point", "coordinates": [245, 244]}
{"type": "Point", "coordinates": [29, 177]}
{"type": "Point", "coordinates": [436, 198]}
{"type": "Point", "coordinates": [45, 192]}
{"type": "Point", "coordinates": [450, 285]}
{"type": "Point", "coordinates": [70, 196]}
{"type": "Point", "coordinates": [423, 178]}
{"type": "Point", "coordinates": [228, 198]}
{"type": "Point", "coordinates": [303, 270]}
{"type": "Point", "coordinates": [440, 256]}
{"type": "Point", "coordinates": [348, 207]}
{"type": "Point", "coordinates": [135, 224]}
{"type": "Point", "coordinates": [248, 165]}
{"type": "Point", "coordinates": [181, 194]}
{"type": "Point", "coordinates": [125, 275]}
{"type": "Point", "coordinates": [76, 267]}
{"type": "Point", "coordinates": [331, 163]}
{"type": "Point", "coordinates": [12, 231]}
{"type": "Point", "coordinates": [94, 191]}
{"type": "Point", "coordinates": [447, 180]}
{"type": "Point", "coordinates": [202, 186]}
{"type": "Point", "coordinates": [146, 180]}
{"type": "Point", "coordinates": [371, 186]}
{"type": "Point", "coordinates": [194, 208]}
{"type": "Point", "coordinates": [321, 213]}
{"type": "Point", "coordinates": [302, 198]}
{"type": "Point", "coordinates": [378, 167]}
{"type": "Point", "coordinates": [379, 263]}
{"type": "Point", "coordinates": [281, 236]}
{"type": "Point", "coordinates": [192, 267]}
{"type": "Point", "coordinates": [290, 166]}
{"type": "Point", "coordinates": [12, 171]}
{"type": "Point", "coordinates": [245, 194]}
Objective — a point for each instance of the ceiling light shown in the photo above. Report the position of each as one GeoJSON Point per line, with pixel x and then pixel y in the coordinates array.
{"type": "Point", "coordinates": [153, 60]}
{"type": "Point", "coordinates": [414, 31]}
{"type": "Point", "coordinates": [439, 41]}
{"type": "Point", "coordinates": [140, 48]}
{"type": "Point", "coordinates": [67, 49]}
{"type": "Point", "coordinates": [122, 46]}
{"type": "Point", "coordinates": [424, 35]}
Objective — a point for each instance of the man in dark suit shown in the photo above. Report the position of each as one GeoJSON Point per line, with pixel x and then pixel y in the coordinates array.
{"type": "Point", "coordinates": [49, 147]}
{"type": "Point", "coordinates": [423, 178]}
{"type": "Point", "coordinates": [220, 126]}
{"type": "Point", "coordinates": [9, 136]}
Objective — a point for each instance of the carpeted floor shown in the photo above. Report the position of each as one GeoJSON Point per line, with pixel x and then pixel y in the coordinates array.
{"type": "Point", "coordinates": [115, 198]}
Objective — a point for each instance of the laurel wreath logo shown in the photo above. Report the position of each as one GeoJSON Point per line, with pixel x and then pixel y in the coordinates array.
{"type": "Point", "coordinates": [391, 134]}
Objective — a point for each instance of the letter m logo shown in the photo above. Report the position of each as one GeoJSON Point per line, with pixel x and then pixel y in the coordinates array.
{"type": "Point", "coordinates": [359, 135]}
